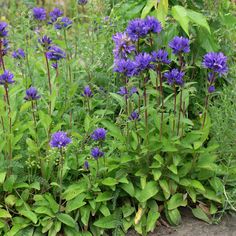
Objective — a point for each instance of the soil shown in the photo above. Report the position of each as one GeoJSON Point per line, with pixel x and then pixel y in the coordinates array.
{"type": "Point", "coordinates": [193, 227]}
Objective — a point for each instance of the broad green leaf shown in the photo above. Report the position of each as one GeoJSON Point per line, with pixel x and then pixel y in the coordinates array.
{"type": "Point", "coordinates": [176, 201]}
{"type": "Point", "coordinates": [2, 177]}
{"type": "Point", "coordinates": [75, 203]}
{"type": "Point", "coordinates": [85, 214]}
{"type": "Point", "coordinates": [4, 214]}
{"type": "Point", "coordinates": [44, 210]}
{"type": "Point", "coordinates": [146, 10]}
{"type": "Point", "coordinates": [152, 218]}
{"type": "Point", "coordinates": [66, 219]}
{"type": "Point", "coordinates": [30, 215]}
{"type": "Point", "coordinates": [199, 19]}
{"type": "Point", "coordinates": [150, 190]}
{"type": "Point", "coordinates": [180, 14]}
{"type": "Point", "coordinates": [129, 188]}
{"type": "Point", "coordinates": [105, 196]}
{"type": "Point", "coordinates": [52, 203]}
{"type": "Point", "coordinates": [10, 200]}
{"type": "Point", "coordinates": [104, 210]}
{"type": "Point", "coordinates": [110, 181]}
{"type": "Point", "coordinates": [107, 222]}
{"type": "Point", "coordinates": [113, 130]}
{"type": "Point", "coordinates": [197, 184]}
{"type": "Point", "coordinates": [200, 214]}
{"type": "Point", "coordinates": [165, 187]}
{"type": "Point", "coordinates": [162, 11]}
{"type": "Point", "coordinates": [173, 216]}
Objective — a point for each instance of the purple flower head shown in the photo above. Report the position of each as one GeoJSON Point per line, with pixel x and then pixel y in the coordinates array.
{"type": "Point", "coordinates": [211, 89]}
{"type": "Point", "coordinates": [6, 78]}
{"type": "Point", "coordinates": [136, 29]}
{"type": "Point", "coordinates": [123, 45]}
{"type": "Point", "coordinates": [32, 94]}
{"type": "Point", "coordinates": [179, 45]}
{"type": "Point", "coordinates": [82, 2]}
{"type": "Point", "coordinates": [18, 54]}
{"type": "Point", "coordinates": [174, 77]}
{"type": "Point", "coordinates": [55, 14]}
{"type": "Point", "coordinates": [86, 165]}
{"type": "Point", "coordinates": [64, 22]}
{"type": "Point", "coordinates": [143, 62]}
{"type": "Point", "coordinates": [126, 67]}
{"type": "Point", "coordinates": [55, 53]}
{"type": "Point", "coordinates": [152, 25]}
{"type": "Point", "coordinates": [55, 65]}
{"type": "Point", "coordinates": [123, 91]}
{"type": "Point", "coordinates": [96, 153]}
{"type": "Point", "coordinates": [3, 29]}
{"type": "Point", "coordinates": [5, 46]}
{"type": "Point", "coordinates": [87, 92]}
{"type": "Point", "coordinates": [45, 41]}
{"type": "Point", "coordinates": [99, 134]}
{"type": "Point", "coordinates": [39, 13]}
{"type": "Point", "coordinates": [160, 56]}
{"type": "Point", "coordinates": [59, 140]}
{"type": "Point", "coordinates": [133, 90]}
{"type": "Point", "coordinates": [134, 116]}
{"type": "Point", "coordinates": [217, 62]}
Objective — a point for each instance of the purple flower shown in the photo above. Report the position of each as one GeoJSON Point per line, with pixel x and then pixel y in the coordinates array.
{"type": "Point", "coordinates": [3, 31]}
{"type": "Point", "coordinates": [174, 77]}
{"type": "Point", "coordinates": [82, 2]}
{"type": "Point", "coordinates": [123, 45]}
{"type": "Point", "coordinates": [5, 46]}
{"type": "Point", "coordinates": [64, 22]}
{"type": "Point", "coordinates": [211, 89]}
{"type": "Point", "coordinates": [96, 153]}
{"type": "Point", "coordinates": [134, 116]}
{"type": "Point", "coordinates": [99, 134]}
{"type": "Point", "coordinates": [6, 78]}
{"type": "Point", "coordinates": [179, 45]}
{"type": "Point", "coordinates": [59, 140]}
{"type": "Point", "coordinates": [160, 56]}
{"type": "Point", "coordinates": [39, 13]}
{"type": "Point", "coordinates": [55, 65]}
{"type": "Point", "coordinates": [87, 92]}
{"type": "Point", "coordinates": [123, 91]}
{"type": "Point", "coordinates": [45, 41]}
{"type": "Point", "coordinates": [86, 165]}
{"type": "Point", "coordinates": [217, 62]}
{"type": "Point", "coordinates": [55, 14]}
{"type": "Point", "coordinates": [18, 54]}
{"type": "Point", "coordinates": [133, 90]}
{"type": "Point", "coordinates": [55, 53]}
{"type": "Point", "coordinates": [143, 62]}
{"type": "Point", "coordinates": [32, 94]}
{"type": "Point", "coordinates": [126, 67]}
{"type": "Point", "coordinates": [137, 29]}
{"type": "Point", "coordinates": [152, 25]}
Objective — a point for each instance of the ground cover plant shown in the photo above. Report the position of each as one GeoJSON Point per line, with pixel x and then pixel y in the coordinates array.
{"type": "Point", "coordinates": [106, 122]}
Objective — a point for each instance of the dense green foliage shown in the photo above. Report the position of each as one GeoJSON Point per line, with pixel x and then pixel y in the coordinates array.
{"type": "Point", "coordinates": [151, 167]}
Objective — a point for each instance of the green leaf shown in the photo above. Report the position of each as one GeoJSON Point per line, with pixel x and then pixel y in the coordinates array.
{"type": "Point", "coordinates": [66, 219]}
{"type": "Point", "coordinates": [45, 120]}
{"type": "Point", "coordinates": [4, 214]}
{"type": "Point", "coordinates": [30, 215]}
{"type": "Point", "coordinates": [150, 190]}
{"type": "Point", "coordinates": [196, 184]}
{"type": "Point", "coordinates": [180, 14]}
{"type": "Point", "coordinates": [199, 19]}
{"type": "Point", "coordinates": [105, 196]}
{"type": "Point", "coordinates": [74, 190]}
{"type": "Point", "coordinates": [52, 203]}
{"type": "Point", "coordinates": [173, 216]}
{"type": "Point", "coordinates": [165, 187]}
{"type": "Point", "coordinates": [118, 98]}
{"type": "Point", "coordinates": [152, 218]}
{"type": "Point", "coordinates": [162, 11]}
{"type": "Point", "coordinates": [176, 201]}
{"type": "Point", "coordinates": [10, 200]}
{"type": "Point", "coordinates": [129, 188]}
{"type": "Point", "coordinates": [2, 177]}
{"type": "Point", "coordinates": [150, 4]}
{"type": "Point", "coordinates": [104, 210]}
{"type": "Point", "coordinates": [85, 214]}
{"type": "Point", "coordinates": [44, 210]}
{"type": "Point", "coordinates": [75, 203]}
{"type": "Point", "coordinates": [113, 130]}
{"type": "Point", "coordinates": [107, 222]}
{"type": "Point", "coordinates": [200, 214]}
{"type": "Point", "coordinates": [110, 181]}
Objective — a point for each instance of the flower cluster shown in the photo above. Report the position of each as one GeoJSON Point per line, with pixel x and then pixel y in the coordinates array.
{"type": "Point", "coordinates": [59, 140]}
{"type": "Point", "coordinates": [96, 153]}
{"type": "Point", "coordinates": [55, 14]}
{"type": "Point", "coordinates": [87, 92]}
{"type": "Point", "coordinates": [174, 76]}
{"type": "Point", "coordinates": [82, 2]}
{"type": "Point", "coordinates": [124, 91]}
{"type": "Point", "coordinates": [6, 78]}
{"type": "Point", "coordinates": [32, 94]}
{"type": "Point", "coordinates": [3, 29]}
{"type": "Point", "coordinates": [18, 54]}
{"type": "Point", "coordinates": [39, 13]}
{"type": "Point", "coordinates": [179, 45]}
{"type": "Point", "coordinates": [3, 40]}
{"type": "Point", "coordinates": [134, 116]}
{"type": "Point", "coordinates": [63, 23]}
{"type": "Point", "coordinates": [45, 42]}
